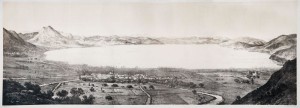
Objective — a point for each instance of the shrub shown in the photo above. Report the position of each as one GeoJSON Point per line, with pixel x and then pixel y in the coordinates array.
{"type": "Point", "coordinates": [36, 88]}
{"type": "Point", "coordinates": [104, 85]}
{"type": "Point", "coordinates": [151, 87]}
{"type": "Point", "coordinates": [129, 86]}
{"type": "Point", "coordinates": [77, 91]}
{"type": "Point", "coordinates": [92, 89]}
{"type": "Point", "coordinates": [192, 85]}
{"type": "Point", "coordinates": [194, 92]}
{"type": "Point", "coordinates": [88, 100]}
{"type": "Point", "coordinates": [108, 97]}
{"type": "Point", "coordinates": [238, 98]}
{"type": "Point", "coordinates": [48, 95]}
{"type": "Point", "coordinates": [10, 86]}
{"type": "Point", "coordinates": [201, 85]}
{"type": "Point", "coordinates": [62, 93]}
{"type": "Point", "coordinates": [114, 85]}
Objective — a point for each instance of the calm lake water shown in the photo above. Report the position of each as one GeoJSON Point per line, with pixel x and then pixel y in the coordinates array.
{"type": "Point", "coordinates": [153, 56]}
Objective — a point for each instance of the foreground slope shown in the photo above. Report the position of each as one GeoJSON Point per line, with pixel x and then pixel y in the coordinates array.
{"type": "Point", "coordinates": [280, 89]}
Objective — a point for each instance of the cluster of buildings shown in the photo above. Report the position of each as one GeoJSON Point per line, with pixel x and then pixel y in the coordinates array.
{"type": "Point", "coordinates": [121, 77]}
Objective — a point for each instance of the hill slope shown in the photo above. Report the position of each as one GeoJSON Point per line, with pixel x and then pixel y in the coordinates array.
{"type": "Point", "coordinates": [117, 40]}
{"type": "Point", "coordinates": [280, 89]}
{"type": "Point", "coordinates": [49, 37]}
{"type": "Point", "coordinates": [281, 42]}
{"type": "Point", "coordinates": [243, 43]}
{"type": "Point", "coordinates": [12, 42]}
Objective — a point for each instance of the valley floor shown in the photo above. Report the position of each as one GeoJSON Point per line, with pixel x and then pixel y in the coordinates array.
{"type": "Point", "coordinates": [219, 82]}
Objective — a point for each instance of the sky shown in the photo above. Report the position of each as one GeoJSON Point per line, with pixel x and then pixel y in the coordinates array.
{"type": "Point", "coordinates": [263, 19]}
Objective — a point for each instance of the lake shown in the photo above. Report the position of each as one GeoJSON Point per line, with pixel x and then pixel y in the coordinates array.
{"type": "Point", "coordinates": [206, 56]}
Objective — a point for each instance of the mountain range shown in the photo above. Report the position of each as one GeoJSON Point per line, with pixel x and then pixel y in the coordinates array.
{"type": "Point", "coordinates": [281, 49]}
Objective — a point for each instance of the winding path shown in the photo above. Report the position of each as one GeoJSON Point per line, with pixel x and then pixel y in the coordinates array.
{"type": "Point", "coordinates": [217, 101]}
{"type": "Point", "coordinates": [149, 99]}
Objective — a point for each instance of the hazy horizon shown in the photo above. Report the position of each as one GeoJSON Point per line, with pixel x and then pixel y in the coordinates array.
{"type": "Point", "coordinates": [263, 20]}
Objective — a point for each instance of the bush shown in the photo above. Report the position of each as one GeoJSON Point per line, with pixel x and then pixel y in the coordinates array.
{"type": "Point", "coordinates": [104, 85]}
{"type": "Point", "coordinates": [194, 92]}
{"type": "Point", "coordinates": [88, 100]}
{"type": "Point", "coordinates": [77, 91]}
{"type": "Point", "coordinates": [151, 87]}
{"type": "Point", "coordinates": [238, 98]}
{"type": "Point", "coordinates": [62, 93]}
{"type": "Point", "coordinates": [48, 95]}
{"type": "Point", "coordinates": [201, 85]}
{"type": "Point", "coordinates": [10, 86]}
{"type": "Point", "coordinates": [192, 85]}
{"type": "Point", "coordinates": [114, 85]}
{"type": "Point", "coordinates": [129, 86]}
{"type": "Point", "coordinates": [36, 88]}
{"type": "Point", "coordinates": [108, 97]}
{"type": "Point", "coordinates": [92, 89]}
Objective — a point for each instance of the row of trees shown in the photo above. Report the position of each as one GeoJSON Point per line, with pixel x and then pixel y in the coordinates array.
{"type": "Point", "coordinates": [15, 93]}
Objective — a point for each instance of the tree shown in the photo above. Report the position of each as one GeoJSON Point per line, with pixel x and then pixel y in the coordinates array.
{"type": "Point", "coordinates": [108, 97]}
{"type": "Point", "coordinates": [129, 86]}
{"type": "Point", "coordinates": [104, 85]}
{"type": "Point", "coordinates": [114, 85]}
{"type": "Point", "coordinates": [151, 87]}
{"type": "Point", "coordinates": [238, 98]}
{"type": "Point", "coordinates": [252, 75]}
{"type": "Point", "coordinates": [36, 88]}
{"type": "Point", "coordinates": [48, 95]}
{"type": "Point", "coordinates": [73, 91]}
{"type": "Point", "coordinates": [192, 85]}
{"type": "Point", "coordinates": [194, 92]}
{"type": "Point", "coordinates": [80, 91]}
{"type": "Point", "coordinates": [88, 100]}
{"type": "Point", "coordinates": [76, 91]}
{"type": "Point", "coordinates": [62, 93]}
{"type": "Point", "coordinates": [92, 89]}
{"type": "Point", "coordinates": [201, 85]}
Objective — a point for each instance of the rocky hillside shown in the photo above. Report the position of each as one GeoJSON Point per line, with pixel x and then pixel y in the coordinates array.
{"type": "Point", "coordinates": [282, 48]}
{"type": "Point", "coordinates": [13, 43]}
{"type": "Point", "coordinates": [27, 36]}
{"type": "Point", "coordinates": [280, 43]}
{"type": "Point", "coordinates": [193, 40]}
{"type": "Point", "coordinates": [51, 38]}
{"type": "Point", "coordinates": [280, 89]}
{"type": "Point", "coordinates": [244, 43]}
{"type": "Point", "coordinates": [117, 40]}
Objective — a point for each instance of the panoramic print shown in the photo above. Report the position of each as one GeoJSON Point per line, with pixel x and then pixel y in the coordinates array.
{"type": "Point", "coordinates": [149, 52]}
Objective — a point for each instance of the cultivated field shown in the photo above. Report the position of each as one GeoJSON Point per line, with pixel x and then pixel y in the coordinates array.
{"type": "Point", "coordinates": [121, 94]}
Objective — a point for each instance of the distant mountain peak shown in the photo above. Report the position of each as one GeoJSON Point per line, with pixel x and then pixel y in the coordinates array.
{"type": "Point", "coordinates": [50, 31]}
{"type": "Point", "coordinates": [48, 27]}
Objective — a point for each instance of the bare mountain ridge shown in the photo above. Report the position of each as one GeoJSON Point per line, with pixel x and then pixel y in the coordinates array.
{"type": "Point", "coordinates": [279, 90]}
{"type": "Point", "coordinates": [243, 43]}
{"type": "Point", "coordinates": [193, 40]}
{"type": "Point", "coordinates": [49, 37]}
{"type": "Point", "coordinates": [282, 48]}
{"type": "Point", "coordinates": [118, 40]}
{"type": "Point", "coordinates": [27, 36]}
{"type": "Point", "coordinates": [12, 42]}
